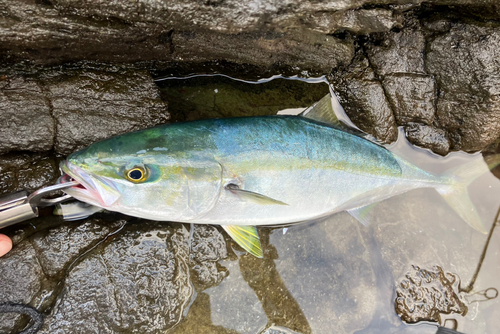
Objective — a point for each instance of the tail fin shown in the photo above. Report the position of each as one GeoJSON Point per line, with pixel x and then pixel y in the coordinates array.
{"type": "Point", "coordinates": [456, 194]}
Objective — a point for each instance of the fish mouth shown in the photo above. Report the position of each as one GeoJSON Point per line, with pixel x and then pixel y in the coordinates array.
{"type": "Point", "coordinates": [90, 189]}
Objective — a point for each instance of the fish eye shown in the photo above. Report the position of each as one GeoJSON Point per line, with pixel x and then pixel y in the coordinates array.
{"type": "Point", "coordinates": [137, 174]}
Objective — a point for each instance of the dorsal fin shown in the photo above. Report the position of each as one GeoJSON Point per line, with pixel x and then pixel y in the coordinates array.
{"type": "Point", "coordinates": [329, 111]}
{"type": "Point", "coordinates": [322, 111]}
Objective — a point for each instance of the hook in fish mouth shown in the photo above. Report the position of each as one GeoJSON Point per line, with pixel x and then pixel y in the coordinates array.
{"type": "Point", "coordinates": [66, 178]}
{"type": "Point", "coordinates": [91, 189]}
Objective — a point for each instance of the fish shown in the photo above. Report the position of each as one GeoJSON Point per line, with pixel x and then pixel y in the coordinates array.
{"type": "Point", "coordinates": [244, 172]}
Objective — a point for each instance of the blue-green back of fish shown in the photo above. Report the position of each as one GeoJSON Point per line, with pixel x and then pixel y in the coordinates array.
{"type": "Point", "coordinates": [253, 171]}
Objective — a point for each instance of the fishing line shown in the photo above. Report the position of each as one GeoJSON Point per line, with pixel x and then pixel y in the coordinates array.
{"type": "Point", "coordinates": [35, 315]}
{"type": "Point", "coordinates": [469, 287]}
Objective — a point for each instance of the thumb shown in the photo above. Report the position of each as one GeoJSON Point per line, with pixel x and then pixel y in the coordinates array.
{"type": "Point", "coordinates": [5, 244]}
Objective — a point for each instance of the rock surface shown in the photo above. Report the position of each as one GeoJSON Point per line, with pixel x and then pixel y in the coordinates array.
{"type": "Point", "coordinates": [466, 64]}
{"type": "Point", "coordinates": [67, 111]}
{"type": "Point", "coordinates": [92, 105]}
{"type": "Point", "coordinates": [208, 247]}
{"type": "Point", "coordinates": [21, 280]}
{"type": "Point", "coordinates": [410, 72]}
{"type": "Point", "coordinates": [27, 171]}
{"type": "Point", "coordinates": [423, 295]}
{"type": "Point", "coordinates": [74, 72]}
{"type": "Point", "coordinates": [411, 97]}
{"type": "Point", "coordinates": [140, 276]}
{"type": "Point", "coordinates": [59, 247]}
{"type": "Point", "coordinates": [428, 136]}
{"type": "Point", "coordinates": [26, 121]}
{"type": "Point", "coordinates": [364, 101]}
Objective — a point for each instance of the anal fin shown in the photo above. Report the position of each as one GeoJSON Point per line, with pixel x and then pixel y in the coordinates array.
{"type": "Point", "coordinates": [247, 237]}
{"type": "Point", "coordinates": [361, 213]}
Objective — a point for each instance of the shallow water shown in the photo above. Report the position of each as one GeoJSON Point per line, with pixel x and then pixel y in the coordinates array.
{"type": "Point", "coordinates": [336, 275]}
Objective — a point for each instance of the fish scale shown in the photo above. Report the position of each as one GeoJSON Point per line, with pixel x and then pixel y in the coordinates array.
{"type": "Point", "coordinates": [242, 172]}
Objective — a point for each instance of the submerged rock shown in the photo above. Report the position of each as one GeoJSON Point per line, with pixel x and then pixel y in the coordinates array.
{"type": "Point", "coordinates": [425, 295]}
{"type": "Point", "coordinates": [208, 247]}
{"type": "Point", "coordinates": [217, 96]}
{"type": "Point", "coordinates": [278, 330]}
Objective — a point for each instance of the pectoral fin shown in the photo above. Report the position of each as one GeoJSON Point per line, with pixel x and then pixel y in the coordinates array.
{"type": "Point", "coordinates": [247, 237]}
{"type": "Point", "coordinates": [361, 213]}
{"type": "Point", "coordinates": [253, 197]}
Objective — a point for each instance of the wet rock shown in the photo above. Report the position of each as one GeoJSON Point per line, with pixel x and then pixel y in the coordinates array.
{"type": "Point", "coordinates": [92, 105]}
{"type": "Point", "coordinates": [20, 281]}
{"type": "Point", "coordinates": [58, 247]}
{"type": "Point", "coordinates": [399, 52]}
{"type": "Point", "coordinates": [66, 31]}
{"type": "Point", "coordinates": [411, 97]}
{"type": "Point", "coordinates": [306, 50]}
{"type": "Point", "coordinates": [48, 33]}
{"type": "Point", "coordinates": [138, 282]}
{"type": "Point", "coordinates": [428, 137]}
{"type": "Point", "coordinates": [424, 295]}
{"type": "Point", "coordinates": [364, 100]}
{"type": "Point", "coordinates": [208, 247]}
{"type": "Point", "coordinates": [439, 25]}
{"type": "Point", "coordinates": [26, 121]}
{"type": "Point", "coordinates": [27, 171]}
{"type": "Point", "coordinates": [465, 64]}
{"type": "Point", "coordinates": [361, 21]}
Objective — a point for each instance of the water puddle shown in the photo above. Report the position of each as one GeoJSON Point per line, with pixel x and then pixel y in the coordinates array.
{"type": "Point", "coordinates": [416, 261]}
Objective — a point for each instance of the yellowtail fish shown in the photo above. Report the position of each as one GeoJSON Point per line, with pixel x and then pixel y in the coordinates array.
{"type": "Point", "coordinates": [243, 172]}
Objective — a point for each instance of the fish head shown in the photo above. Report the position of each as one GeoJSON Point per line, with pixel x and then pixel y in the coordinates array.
{"type": "Point", "coordinates": [149, 184]}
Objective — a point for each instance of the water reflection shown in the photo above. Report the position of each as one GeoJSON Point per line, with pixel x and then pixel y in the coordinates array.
{"type": "Point", "coordinates": [278, 303]}
{"type": "Point", "coordinates": [198, 319]}
{"type": "Point", "coordinates": [252, 298]}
